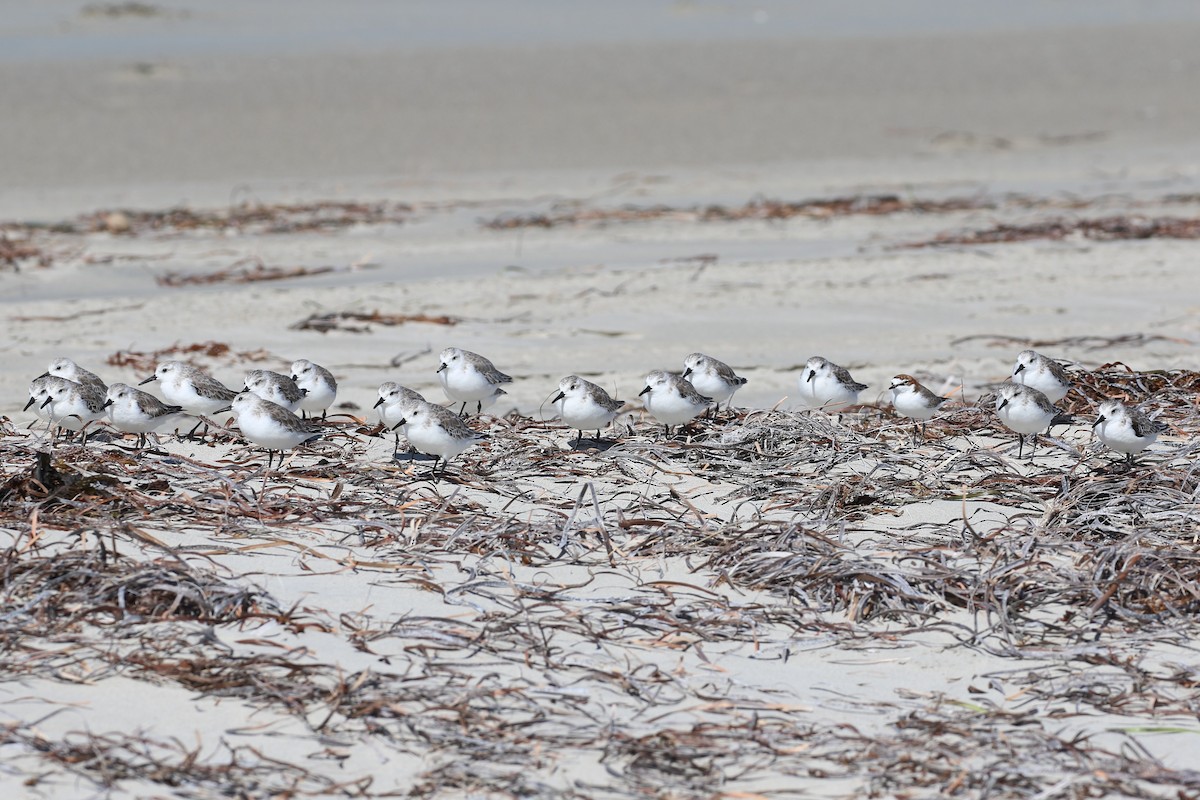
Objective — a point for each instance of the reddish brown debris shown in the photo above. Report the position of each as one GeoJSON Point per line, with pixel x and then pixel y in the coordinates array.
{"type": "Point", "coordinates": [874, 205]}
{"type": "Point", "coordinates": [143, 361]}
{"type": "Point", "coordinates": [1102, 230]}
{"type": "Point", "coordinates": [240, 274]}
{"type": "Point", "coordinates": [258, 218]}
{"type": "Point", "coordinates": [323, 323]}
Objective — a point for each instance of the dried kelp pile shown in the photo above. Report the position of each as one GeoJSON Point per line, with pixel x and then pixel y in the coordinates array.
{"type": "Point", "coordinates": [575, 214]}
{"type": "Point", "coordinates": [589, 621]}
{"type": "Point", "coordinates": [242, 271]}
{"type": "Point", "coordinates": [1103, 229]}
{"type": "Point", "coordinates": [197, 353]}
{"type": "Point", "coordinates": [244, 218]}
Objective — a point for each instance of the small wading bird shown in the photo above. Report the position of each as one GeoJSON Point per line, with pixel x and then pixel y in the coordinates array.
{"type": "Point", "coordinates": [470, 378]}
{"type": "Point", "coordinates": [1126, 430]}
{"type": "Point", "coordinates": [712, 378]}
{"type": "Point", "coordinates": [672, 400]}
{"type": "Point", "coordinates": [269, 425]}
{"type": "Point", "coordinates": [583, 405]}
{"type": "Point", "coordinates": [825, 385]}
{"type": "Point", "coordinates": [912, 400]}
{"type": "Point", "coordinates": [436, 431]}
{"type": "Point", "coordinates": [1026, 411]}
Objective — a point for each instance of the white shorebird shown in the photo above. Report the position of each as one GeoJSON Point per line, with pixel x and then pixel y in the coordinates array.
{"type": "Point", "coordinates": [133, 411]}
{"type": "Point", "coordinates": [470, 378]}
{"type": "Point", "coordinates": [66, 368]}
{"type": "Point", "coordinates": [585, 406]}
{"type": "Point", "coordinates": [915, 401]}
{"type": "Point", "coordinates": [1041, 373]}
{"type": "Point", "coordinates": [275, 387]}
{"type": "Point", "coordinates": [192, 389]}
{"type": "Point", "coordinates": [825, 385]}
{"type": "Point", "coordinates": [436, 431]}
{"type": "Point", "coordinates": [269, 425]}
{"type": "Point", "coordinates": [1024, 410]}
{"type": "Point", "coordinates": [74, 405]}
{"type": "Point", "coordinates": [712, 378]}
{"type": "Point", "coordinates": [1126, 430]}
{"type": "Point", "coordinates": [672, 400]}
{"type": "Point", "coordinates": [318, 382]}
{"type": "Point", "coordinates": [391, 405]}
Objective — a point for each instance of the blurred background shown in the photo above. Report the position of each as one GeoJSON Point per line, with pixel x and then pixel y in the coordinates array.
{"type": "Point", "coordinates": [193, 97]}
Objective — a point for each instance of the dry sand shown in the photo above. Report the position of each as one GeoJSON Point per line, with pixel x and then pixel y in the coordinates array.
{"type": "Point", "coordinates": [476, 636]}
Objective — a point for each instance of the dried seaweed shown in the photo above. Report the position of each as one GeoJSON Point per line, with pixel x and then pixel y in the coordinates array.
{"type": "Point", "coordinates": [17, 253]}
{"type": "Point", "coordinates": [336, 321]}
{"type": "Point", "coordinates": [583, 606]}
{"type": "Point", "coordinates": [219, 352]}
{"type": "Point", "coordinates": [1104, 229]}
{"type": "Point", "coordinates": [241, 273]}
{"type": "Point", "coordinates": [761, 209]}
{"type": "Point", "coordinates": [247, 218]}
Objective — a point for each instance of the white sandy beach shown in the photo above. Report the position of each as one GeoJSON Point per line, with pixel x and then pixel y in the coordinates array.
{"type": "Point", "coordinates": [476, 636]}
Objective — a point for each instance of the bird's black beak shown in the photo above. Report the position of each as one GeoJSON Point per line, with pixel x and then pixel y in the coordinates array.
{"type": "Point", "coordinates": [643, 391]}
{"type": "Point", "coordinates": [107, 403]}
{"type": "Point", "coordinates": [442, 367]}
{"type": "Point", "coordinates": [43, 375]}
{"type": "Point", "coordinates": [151, 378]}
{"type": "Point", "coordinates": [46, 402]}
{"type": "Point", "coordinates": [687, 372]}
{"type": "Point", "coordinates": [398, 424]}
{"type": "Point", "coordinates": [378, 403]}
{"type": "Point", "coordinates": [1099, 419]}
{"type": "Point", "coordinates": [32, 400]}
{"type": "Point", "coordinates": [223, 410]}
{"type": "Point", "coordinates": [812, 373]}
{"type": "Point", "coordinates": [1018, 369]}
{"type": "Point", "coordinates": [1003, 403]}
{"type": "Point", "coordinates": [893, 386]}
{"type": "Point", "coordinates": [295, 378]}
{"type": "Point", "coordinates": [558, 397]}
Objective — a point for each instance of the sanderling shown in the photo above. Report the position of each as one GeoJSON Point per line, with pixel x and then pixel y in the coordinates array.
{"type": "Point", "coordinates": [585, 406]}
{"type": "Point", "coordinates": [712, 378]}
{"type": "Point", "coordinates": [671, 399]}
{"type": "Point", "coordinates": [1024, 410]}
{"type": "Point", "coordinates": [824, 384]}
{"type": "Point", "coordinates": [391, 403]}
{"type": "Point", "coordinates": [74, 405]}
{"type": "Point", "coordinates": [275, 388]}
{"type": "Point", "coordinates": [469, 377]}
{"type": "Point", "coordinates": [39, 392]}
{"type": "Point", "coordinates": [193, 389]}
{"type": "Point", "coordinates": [134, 411]}
{"type": "Point", "coordinates": [1044, 374]}
{"type": "Point", "coordinates": [318, 382]}
{"type": "Point", "coordinates": [436, 431]}
{"type": "Point", "coordinates": [912, 400]}
{"type": "Point", "coordinates": [1126, 430]}
{"type": "Point", "coordinates": [66, 368]}
{"type": "Point", "coordinates": [269, 425]}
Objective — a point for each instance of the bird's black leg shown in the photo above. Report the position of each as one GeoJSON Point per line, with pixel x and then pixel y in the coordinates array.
{"type": "Point", "coordinates": [462, 412]}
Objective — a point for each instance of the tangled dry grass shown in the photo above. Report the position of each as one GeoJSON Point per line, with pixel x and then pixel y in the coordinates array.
{"type": "Point", "coordinates": [579, 605]}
